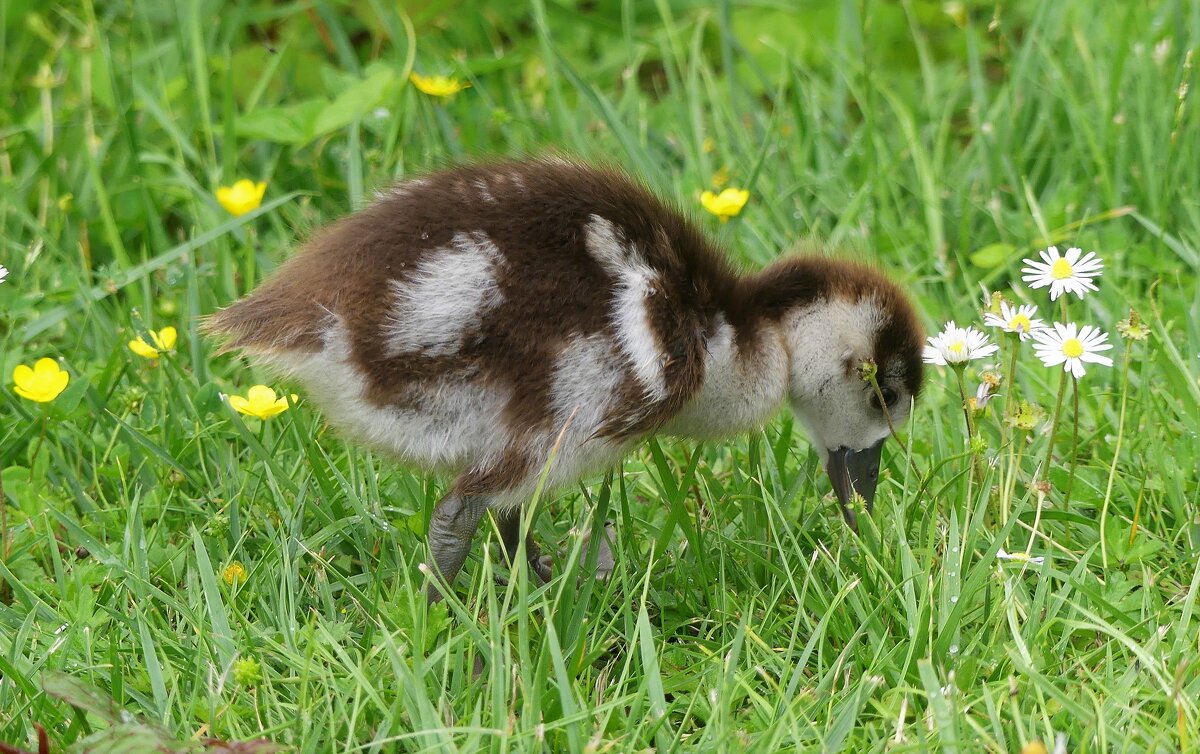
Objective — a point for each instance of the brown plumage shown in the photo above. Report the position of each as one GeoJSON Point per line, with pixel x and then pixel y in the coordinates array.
{"type": "Point", "coordinates": [467, 320]}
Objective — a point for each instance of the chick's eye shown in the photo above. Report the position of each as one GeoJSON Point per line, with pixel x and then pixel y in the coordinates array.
{"type": "Point", "coordinates": [889, 398]}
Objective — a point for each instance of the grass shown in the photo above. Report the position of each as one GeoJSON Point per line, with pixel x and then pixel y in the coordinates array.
{"type": "Point", "coordinates": [944, 143]}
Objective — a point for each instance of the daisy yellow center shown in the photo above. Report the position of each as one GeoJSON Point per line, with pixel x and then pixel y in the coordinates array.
{"type": "Point", "coordinates": [1072, 348]}
{"type": "Point", "coordinates": [956, 347]}
{"type": "Point", "coordinates": [1020, 323]}
{"type": "Point", "coordinates": [1062, 269]}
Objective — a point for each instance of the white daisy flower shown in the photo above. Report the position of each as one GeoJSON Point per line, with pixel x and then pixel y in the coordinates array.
{"type": "Point", "coordinates": [1069, 274]}
{"type": "Point", "coordinates": [1071, 346]}
{"type": "Point", "coordinates": [1019, 557]}
{"type": "Point", "coordinates": [3, 273]}
{"type": "Point", "coordinates": [956, 345]}
{"type": "Point", "coordinates": [1018, 319]}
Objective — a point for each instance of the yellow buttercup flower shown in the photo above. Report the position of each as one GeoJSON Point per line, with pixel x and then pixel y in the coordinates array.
{"type": "Point", "coordinates": [726, 204]}
{"type": "Point", "coordinates": [163, 340]}
{"type": "Point", "coordinates": [261, 402]}
{"type": "Point", "coordinates": [42, 383]}
{"type": "Point", "coordinates": [235, 572]}
{"type": "Point", "coordinates": [242, 197]}
{"type": "Point", "coordinates": [437, 86]}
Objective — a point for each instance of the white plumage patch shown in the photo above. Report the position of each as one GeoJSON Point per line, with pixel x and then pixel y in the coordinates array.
{"type": "Point", "coordinates": [451, 424]}
{"type": "Point", "coordinates": [585, 384]}
{"type": "Point", "coordinates": [606, 246]}
{"type": "Point", "coordinates": [404, 188]}
{"type": "Point", "coordinates": [485, 193]}
{"type": "Point", "coordinates": [740, 390]}
{"type": "Point", "coordinates": [635, 283]}
{"type": "Point", "coordinates": [446, 297]}
{"type": "Point", "coordinates": [583, 391]}
{"type": "Point", "coordinates": [636, 336]}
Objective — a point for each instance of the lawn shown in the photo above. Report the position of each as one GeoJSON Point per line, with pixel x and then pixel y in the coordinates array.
{"type": "Point", "coordinates": [219, 575]}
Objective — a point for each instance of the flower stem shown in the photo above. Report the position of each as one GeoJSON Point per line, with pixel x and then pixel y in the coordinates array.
{"type": "Point", "coordinates": [1015, 454]}
{"type": "Point", "coordinates": [887, 414]}
{"type": "Point", "coordinates": [37, 449]}
{"type": "Point", "coordinates": [1137, 514]}
{"type": "Point", "coordinates": [4, 541]}
{"type": "Point", "coordinates": [966, 406]}
{"type": "Point", "coordinates": [1112, 468]}
{"type": "Point", "coordinates": [967, 411]}
{"type": "Point", "coordinates": [1062, 390]}
{"type": "Point", "coordinates": [1037, 521]}
{"type": "Point", "coordinates": [1009, 385]}
{"type": "Point", "coordinates": [1074, 441]}
{"type": "Point", "coordinates": [1005, 438]}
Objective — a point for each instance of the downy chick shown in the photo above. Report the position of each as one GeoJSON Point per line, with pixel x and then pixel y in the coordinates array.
{"type": "Point", "coordinates": [471, 321]}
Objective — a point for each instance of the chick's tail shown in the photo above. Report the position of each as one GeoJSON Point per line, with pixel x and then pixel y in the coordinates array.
{"type": "Point", "coordinates": [271, 319]}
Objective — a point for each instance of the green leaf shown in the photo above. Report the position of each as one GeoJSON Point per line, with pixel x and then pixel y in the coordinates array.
{"type": "Point", "coordinates": [18, 487]}
{"type": "Point", "coordinates": [220, 632]}
{"type": "Point", "coordinates": [207, 399]}
{"type": "Point", "coordinates": [69, 399]}
{"type": "Point", "coordinates": [291, 124]}
{"type": "Point", "coordinates": [309, 119]}
{"type": "Point", "coordinates": [414, 524]}
{"type": "Point", "coordinates": [355, 102]}
{"type": "Point", "coordinates": [79, 694]}
{"type": "Point", "coordinates": [1116, 538]}
{"type": "Point", "coordinates": [993, 255]}
{"type": "Point", "coordinates": [943, 715]}
{"type": "Point", "coordinates": [27, 490]}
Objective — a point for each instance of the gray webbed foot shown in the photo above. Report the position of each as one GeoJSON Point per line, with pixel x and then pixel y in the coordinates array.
{"type": "Point", "coordinates": [543, 567]}
{"type": "Point", "coordinates": [510, 535]}
{"type": "Point", "coordinates": [605, 561]}
{"type": "Point", "coordinates": [451, 530]}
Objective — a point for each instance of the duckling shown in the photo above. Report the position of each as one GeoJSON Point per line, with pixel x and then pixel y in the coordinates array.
{"type": "Point", "coordinates": [494, 320]}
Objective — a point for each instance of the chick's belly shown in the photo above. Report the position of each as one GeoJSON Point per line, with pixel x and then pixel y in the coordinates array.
{"type": "Point", "coordinates": [573, 462]}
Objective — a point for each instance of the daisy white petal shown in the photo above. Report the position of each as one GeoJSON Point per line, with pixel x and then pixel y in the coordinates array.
{"type": "Point", "coordinates": [1071, 346]}
{"type": "Point", "coordinates": [1015, 319]}
{"type": "Point", "coordinates": [1071, 273]}
{"type": "Point", "coordinates": [957, 345]}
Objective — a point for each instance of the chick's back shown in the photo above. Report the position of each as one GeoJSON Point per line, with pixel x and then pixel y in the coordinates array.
{"type": "Point", "coordinates": [465, 318]}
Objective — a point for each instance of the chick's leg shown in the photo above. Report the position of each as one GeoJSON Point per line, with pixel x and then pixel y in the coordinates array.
{"type": "Point", "coordinates": [451, 530]}
{"type": "Point", "coordinates": [509, 524]}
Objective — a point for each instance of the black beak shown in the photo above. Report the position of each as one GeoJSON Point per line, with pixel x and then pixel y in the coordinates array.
{"type": "Point", "coordinates": [854, 471]}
